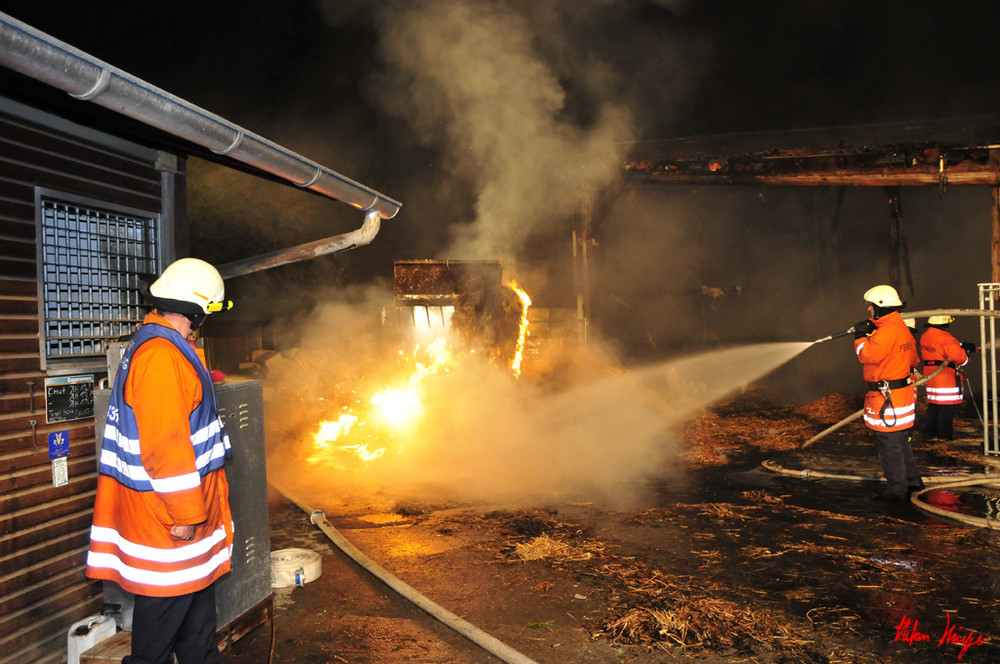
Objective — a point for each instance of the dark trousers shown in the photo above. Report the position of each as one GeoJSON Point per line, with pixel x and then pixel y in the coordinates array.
{"type": "Point", "coordinates": [185, 625]}
{"type": "Point", "coordinates": [898, 464]}
{"type": "Point", "coordinates": [939, 419]}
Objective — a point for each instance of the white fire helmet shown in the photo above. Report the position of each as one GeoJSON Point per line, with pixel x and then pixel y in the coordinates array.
{"type": "Point", "coordinates": [883, 296]}
{"type": "Point", "coordinates": [189, 286]}
{"type": "Point", "coordinates": [940, 320]}
{"type": "Point", "coordinates": [910, 323]}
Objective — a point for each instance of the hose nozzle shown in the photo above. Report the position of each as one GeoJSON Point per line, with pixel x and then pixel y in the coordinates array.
{"type": "Point", "coordinates": [849, 330]}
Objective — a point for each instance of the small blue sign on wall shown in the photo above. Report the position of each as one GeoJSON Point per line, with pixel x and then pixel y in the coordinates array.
{"type": "Point", "coordinates": [58, 444]}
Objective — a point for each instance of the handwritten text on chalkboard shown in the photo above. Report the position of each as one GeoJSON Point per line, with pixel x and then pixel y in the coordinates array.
{"type": "Point", "coordinates": [69, 398]}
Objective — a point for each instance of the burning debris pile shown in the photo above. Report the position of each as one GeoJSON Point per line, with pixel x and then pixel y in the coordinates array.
{"type": "Point", "coordinates": [370, 392]}
{"type": "Point", "coordinates": [452, 413]}
{"type": "Point", "coordinates": [480, 313]}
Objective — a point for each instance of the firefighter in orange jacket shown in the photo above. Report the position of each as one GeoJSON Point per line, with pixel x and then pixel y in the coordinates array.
{"type": "Point", "coordinates": [162, 526]}
{"type": "Point", "coordinates": [888, 353]}
{"type": "Point", "coordinates": [944, 391]}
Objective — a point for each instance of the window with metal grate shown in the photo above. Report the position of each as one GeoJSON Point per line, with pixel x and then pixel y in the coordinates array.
{"type": "Point", "coordinates": [90, 257]}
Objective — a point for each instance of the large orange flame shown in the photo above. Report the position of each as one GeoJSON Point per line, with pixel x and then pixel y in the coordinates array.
{"type": "Point", "coordinates": [396, 408]}
{"type": "Point", "coordinates": [522, 333]}
{"type": "Point", "coordinates": [390, 411]}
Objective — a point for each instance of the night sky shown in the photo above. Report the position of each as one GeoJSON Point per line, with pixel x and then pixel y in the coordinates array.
{"type": "Point", "coordinates": [495, 122]}
{"type": "Point", "coordinates": [740, 66]}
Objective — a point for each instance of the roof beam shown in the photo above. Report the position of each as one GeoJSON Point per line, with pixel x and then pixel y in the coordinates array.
{"type": "Point", "coordinates": [920, 166]}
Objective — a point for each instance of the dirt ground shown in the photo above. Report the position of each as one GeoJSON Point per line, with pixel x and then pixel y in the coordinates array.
{"type": "Point", "coordinates": [740, 564]}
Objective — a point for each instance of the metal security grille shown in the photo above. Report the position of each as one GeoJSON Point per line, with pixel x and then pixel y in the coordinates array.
{"type": "Point", "coordinates": [90, 261]}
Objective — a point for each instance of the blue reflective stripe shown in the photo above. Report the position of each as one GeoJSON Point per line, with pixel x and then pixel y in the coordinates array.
{"type": "Point", "coordinates": [120, 453]}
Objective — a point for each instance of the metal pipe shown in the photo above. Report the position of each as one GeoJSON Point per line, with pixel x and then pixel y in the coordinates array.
{"type": "Point", "coordinates": [44, 58]}
{"type": "Point", "coordinates": [986, 313]}
{"type": "Point", "coordinates": [982, 313]}
{"type": "Point", "coordinates": [988, 293]}
{"type": "Point", "coordinates": [306, 251]}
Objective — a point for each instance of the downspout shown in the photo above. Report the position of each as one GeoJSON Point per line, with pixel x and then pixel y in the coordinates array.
{"type": "Point", "coordinates": [307, 251]}
{"type": "Point", "coordinates": [44, 58]}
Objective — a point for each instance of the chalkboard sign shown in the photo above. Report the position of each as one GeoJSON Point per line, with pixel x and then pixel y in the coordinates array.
{"type": "Point", "coordinates": [69, 398]}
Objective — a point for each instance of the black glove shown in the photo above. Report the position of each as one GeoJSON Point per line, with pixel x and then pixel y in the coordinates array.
{"type": "Point", "coordinates": [969, 347]}
{"type": "Point", "coordinates": [864, 328]}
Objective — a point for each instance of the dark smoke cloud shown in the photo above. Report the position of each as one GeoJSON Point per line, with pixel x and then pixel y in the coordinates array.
{"type": "Point", "coordinates": [530, 106]}
{"type": "Point", "coordinates": [470, 78]}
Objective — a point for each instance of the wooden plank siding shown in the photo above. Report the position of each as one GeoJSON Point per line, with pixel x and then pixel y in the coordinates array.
{"type": "Point", "coordinates": [44, 530]}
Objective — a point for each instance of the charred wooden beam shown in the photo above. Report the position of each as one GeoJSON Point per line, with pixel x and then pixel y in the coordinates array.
{"type": "Point", "coordinates": [913, 166]}
{"type": "Point", "coordinates": [441, 282]}
{"type": "Point", "coordinates": [885, 178]}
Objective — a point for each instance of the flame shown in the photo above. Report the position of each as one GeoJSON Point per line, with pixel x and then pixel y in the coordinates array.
{"type": "Point", "coordinates": [396, 407]}
{"type": "Point", "coordinates": [363, 452]}
{"type": "Point", "coordinates": [389, 412]}
{"type": "Point", "coordinates": [330, 431]}
{"type": "Point", "coordinates": [522, 333]}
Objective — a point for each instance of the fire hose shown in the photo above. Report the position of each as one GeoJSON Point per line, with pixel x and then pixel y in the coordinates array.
{"type": "Point", "coordinates": [488, 643]}
{"type": "Point", "coordinates": [809, 474]}
{"type": "Point", "coordinates": [853, 416]}
{"type": "Point", "coordinates": [294, 567]}
{"type": "Point", "coordinates": [991, 481]}
{"type": "Point", "coordinates": [934, 483]}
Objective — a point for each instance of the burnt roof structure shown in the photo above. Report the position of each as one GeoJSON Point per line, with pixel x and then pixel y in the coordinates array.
{"type": "Point", "coordinates": [959, 151]}
{"type": "Point", "coordinates": [941, 153]}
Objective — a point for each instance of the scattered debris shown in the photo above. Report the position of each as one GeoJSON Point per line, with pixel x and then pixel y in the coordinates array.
{"type": "Point", "coordinates": [544, 546]}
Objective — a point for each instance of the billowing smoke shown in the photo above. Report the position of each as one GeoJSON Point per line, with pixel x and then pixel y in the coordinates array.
{"type": "Point", "coordinates": [580, 430]}
{"type": "Point", "coordinates": [526, 107]}
{"type": "Point", "coordinates": [574, 426]}
{"type": "Point", "coordinates": [471, 77]}
{"type": "Point", "coordinates": [518, 105]}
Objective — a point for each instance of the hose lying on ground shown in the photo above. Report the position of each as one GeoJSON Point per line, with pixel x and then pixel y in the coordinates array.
{"type": "Point", "coordinates": [932, 483]}
{"type": "Point", "coordinates": [488, 643]}
{"type": "Point", "coordinates": [809, 474]}
{"type": "Point", "coordinates": [991, 481]}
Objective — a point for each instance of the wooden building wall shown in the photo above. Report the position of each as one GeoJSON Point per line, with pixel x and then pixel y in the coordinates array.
{"type": "Point", "coordinates": [44, 529]}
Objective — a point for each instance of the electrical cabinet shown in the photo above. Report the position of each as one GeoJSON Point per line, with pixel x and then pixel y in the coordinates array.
{"type": "Point", "coordinates": [241, 407]}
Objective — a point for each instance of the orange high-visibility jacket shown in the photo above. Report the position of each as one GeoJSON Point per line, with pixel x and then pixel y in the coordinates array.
{"type": "Point", "coordinates": [890, 353]}
{"type": "Point", "coordinates": [936, 346]}
{"type": "Point", "coordinates": [130, 537]}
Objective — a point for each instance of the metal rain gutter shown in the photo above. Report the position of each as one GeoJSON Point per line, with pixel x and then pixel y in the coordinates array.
{"type": "Point", "coordinates": [44, 58]}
